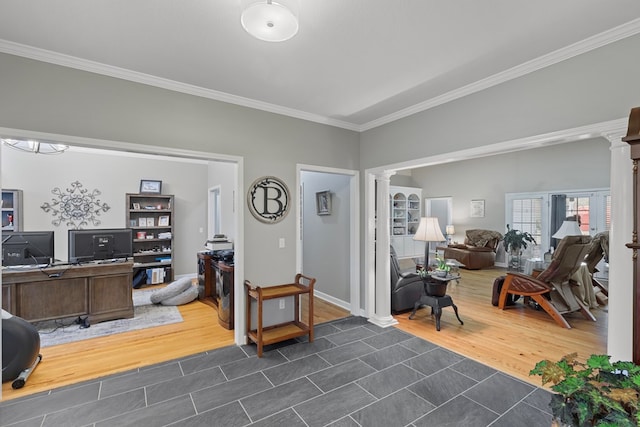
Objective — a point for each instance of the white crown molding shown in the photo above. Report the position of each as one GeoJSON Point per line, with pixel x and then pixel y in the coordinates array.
{"type": "Point", "coordinates": [610, 36]}
{"type": "Point", "coordinates": [594, 130]}
{"type": "Point", "coordinates": [618, 33]}
{"type": "Point", "coordinates": [147, 79]}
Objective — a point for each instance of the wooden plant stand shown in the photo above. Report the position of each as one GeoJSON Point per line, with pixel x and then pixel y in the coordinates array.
{"type": "Point", "coordinates": [284, 331]}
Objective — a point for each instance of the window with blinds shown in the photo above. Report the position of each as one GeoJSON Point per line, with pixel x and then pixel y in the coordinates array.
{"type": "Point", "coordinates": [527, 216]}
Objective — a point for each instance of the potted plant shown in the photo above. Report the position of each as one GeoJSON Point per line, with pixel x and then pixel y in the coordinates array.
{"type": "Point", "coordinates": [594, 393]}
{"type": "Point", "coordinates": [514, 242]}
{"type": "Point", "coordinates": [435, 287]}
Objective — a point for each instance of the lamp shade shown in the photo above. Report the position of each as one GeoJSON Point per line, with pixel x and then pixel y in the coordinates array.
{"type": "Point", "coordinates": [568, 228]}
{"type": "Point", "coordinates": [269, 21]}
{"type": "Point", "coordinates": [450, 230]}
{"type": "Point", "coordinates": [429, 230]}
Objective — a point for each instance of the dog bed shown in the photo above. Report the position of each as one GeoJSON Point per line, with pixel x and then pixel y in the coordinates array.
{"type": "Point", "coordinates": [181, 291]}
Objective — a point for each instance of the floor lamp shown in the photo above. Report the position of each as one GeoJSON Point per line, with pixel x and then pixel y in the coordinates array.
{"type": "Point", "coordinates": [428, 231]}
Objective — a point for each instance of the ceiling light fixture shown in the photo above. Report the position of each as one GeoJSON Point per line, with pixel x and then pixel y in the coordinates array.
{"type": "Point", "coordinates": [269, 21]}
{"type": "Point", "coordinates": [33, 146]}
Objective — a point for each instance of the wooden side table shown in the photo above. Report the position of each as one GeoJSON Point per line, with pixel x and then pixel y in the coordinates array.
{"type": "Point", "coordinates": [269, 335]}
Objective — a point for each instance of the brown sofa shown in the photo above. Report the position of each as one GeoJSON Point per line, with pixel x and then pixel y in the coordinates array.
{"type": "Point", "coordinates": [478, 250]}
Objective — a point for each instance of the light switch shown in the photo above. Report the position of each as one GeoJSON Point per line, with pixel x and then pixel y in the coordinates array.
{"type": "Point", "coordinates": [281, 243]}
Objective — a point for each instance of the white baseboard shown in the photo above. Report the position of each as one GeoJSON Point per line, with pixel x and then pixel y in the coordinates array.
{"type": "Point", "coordinates": [335, 301]}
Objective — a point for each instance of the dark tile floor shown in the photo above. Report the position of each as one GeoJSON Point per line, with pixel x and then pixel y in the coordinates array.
{"type": "Point", "coordinates": [353, 374]}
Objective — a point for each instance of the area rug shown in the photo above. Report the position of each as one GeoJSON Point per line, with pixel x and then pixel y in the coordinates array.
{"type": "Point", "coordinates": [146, 315]}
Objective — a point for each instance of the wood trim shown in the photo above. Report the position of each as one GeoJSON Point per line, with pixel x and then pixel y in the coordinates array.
{"type": "Point", "coordinates": [633, 139]}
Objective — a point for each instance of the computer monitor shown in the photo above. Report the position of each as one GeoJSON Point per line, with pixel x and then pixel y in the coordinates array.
{"type": "Point", "coordinates": [99, 244]}
{"type": "Point", "coordinates": [27, 247]}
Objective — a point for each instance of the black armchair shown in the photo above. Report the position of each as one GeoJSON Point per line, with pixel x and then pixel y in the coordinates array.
{"type": "Point", "coordinates": [406, 288]}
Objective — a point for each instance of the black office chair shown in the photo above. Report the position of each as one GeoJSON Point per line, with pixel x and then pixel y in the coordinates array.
{"type": "Point", "coordinates": [20, 349]}
{"type": "Point", "coordinates": [406, 287]}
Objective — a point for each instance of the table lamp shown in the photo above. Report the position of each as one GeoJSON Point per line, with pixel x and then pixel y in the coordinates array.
{"type": "Point", "coordinates": [568, 228]}
{"type": "Point", "coordinates": [450, 230]}
{"type": "Point", "coordinates": [428, 231]}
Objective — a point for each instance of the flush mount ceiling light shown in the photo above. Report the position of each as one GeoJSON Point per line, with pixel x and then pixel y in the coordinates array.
{"type": "Point", "coordinates": [269, 21]}
{"type": "Point", "coordinates": [33, 146]}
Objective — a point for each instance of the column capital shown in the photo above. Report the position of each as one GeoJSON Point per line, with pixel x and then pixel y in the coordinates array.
{"type": "Point", "coordinates": [615, 138]}
{"type": "Point", "coordinates": [384, 175]}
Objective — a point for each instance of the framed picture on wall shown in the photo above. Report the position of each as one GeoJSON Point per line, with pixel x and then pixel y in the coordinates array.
{"type": "Point", "coordinates": [149, 186]}
{"type": "Point", "coordinates": [477, 209]}
{"type": "Point", "coordinates": [323, 202]}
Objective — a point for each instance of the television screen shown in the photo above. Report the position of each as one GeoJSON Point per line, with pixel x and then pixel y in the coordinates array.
{"type": "Point", "coordinates": [27, 247]}
{"type": "Point", "coordinates": [99, 244]}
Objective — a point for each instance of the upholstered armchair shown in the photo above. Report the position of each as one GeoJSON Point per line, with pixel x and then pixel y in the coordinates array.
{"type": "Point", "coordinates": [552, 288]}
{"type": "Point", "coordinates": [406, 287]}
{"type": "Point", "coordinates": [478, 250]}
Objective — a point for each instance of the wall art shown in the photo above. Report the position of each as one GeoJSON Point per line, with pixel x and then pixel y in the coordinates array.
{"type": "Point", "coordinates": [269, 199]}
{"type": "Point", "coordinates": [76, 206]}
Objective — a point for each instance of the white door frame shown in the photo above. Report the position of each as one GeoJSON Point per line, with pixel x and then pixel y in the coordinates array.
{"type": "Point", "coordinates": [354, 227]}
{"type": "Point", "coordinates": [239, 300]}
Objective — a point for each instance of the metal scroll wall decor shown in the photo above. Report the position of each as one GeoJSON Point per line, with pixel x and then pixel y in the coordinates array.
{"type": "Point", "coordinates": [76, 207]}
{"type": "Point", "coordinates": [269, 199]}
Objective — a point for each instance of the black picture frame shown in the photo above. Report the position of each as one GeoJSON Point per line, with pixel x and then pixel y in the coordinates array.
{"type": "Point", "coordinates": [323, 202]}
{"type": "Point", "coordinates": [150, 186]}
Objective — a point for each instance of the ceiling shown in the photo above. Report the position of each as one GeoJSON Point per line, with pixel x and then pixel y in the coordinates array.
{"type": "Point", "coordinates": [355, 64]}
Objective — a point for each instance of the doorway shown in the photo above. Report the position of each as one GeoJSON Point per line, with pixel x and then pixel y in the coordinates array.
{"type": "Point", "coordinates": [328, 234]}
{"type": "Point", "coordinates": [441, 208]}
{"type": "Point", "coordinates": [235, 217]}
{"type": "Point", "coordinates": [214, 227]}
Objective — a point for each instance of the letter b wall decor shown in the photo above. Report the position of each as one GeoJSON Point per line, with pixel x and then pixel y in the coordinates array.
{"type": "Point", "coordinates": [269, 199]}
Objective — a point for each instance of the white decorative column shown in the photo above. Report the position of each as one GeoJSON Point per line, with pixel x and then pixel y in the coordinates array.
{"type": "Point", "coordinates": [620, 313]}
{"type": "Point", "coordinates": [382, 316]}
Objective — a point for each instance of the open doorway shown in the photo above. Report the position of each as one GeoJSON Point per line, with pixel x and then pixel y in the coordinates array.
{"type": "Point", "coordinates": [328, 238]}
{"type": "Point", "coordinates": [121, 183]}
{"type": "Point", "coordinates": [441, 208]}
{"type": "Point", "coordinates": [215, 213]}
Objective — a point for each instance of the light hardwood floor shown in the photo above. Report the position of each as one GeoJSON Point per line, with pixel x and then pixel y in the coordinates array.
{"type": "Point", "coordinates": [512, 340]}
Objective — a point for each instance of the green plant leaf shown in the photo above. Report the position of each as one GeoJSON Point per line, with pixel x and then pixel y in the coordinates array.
{"type": "Point", "coordinates": [594, 393]}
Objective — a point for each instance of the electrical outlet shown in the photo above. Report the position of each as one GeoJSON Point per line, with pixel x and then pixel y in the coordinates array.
{"type": "Point", "coordinates": [282, 304]}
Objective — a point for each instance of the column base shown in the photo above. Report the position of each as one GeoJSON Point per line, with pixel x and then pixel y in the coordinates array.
{"type": "Point", "coordinates": [383, 321]}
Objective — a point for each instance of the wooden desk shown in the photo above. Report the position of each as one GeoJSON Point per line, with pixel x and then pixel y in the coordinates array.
{"type": "Point", "coordinates": [100, 291]}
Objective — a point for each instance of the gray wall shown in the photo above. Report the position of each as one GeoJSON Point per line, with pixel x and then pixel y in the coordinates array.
{"type": "Point", "coordinates": [594, 87]}
{"type": "Point", "coordinates": [326, 237]}
{"type": "Point", "coordinates": [49, 98]}
{"type": "Point", "coordinates": [578, 165]}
